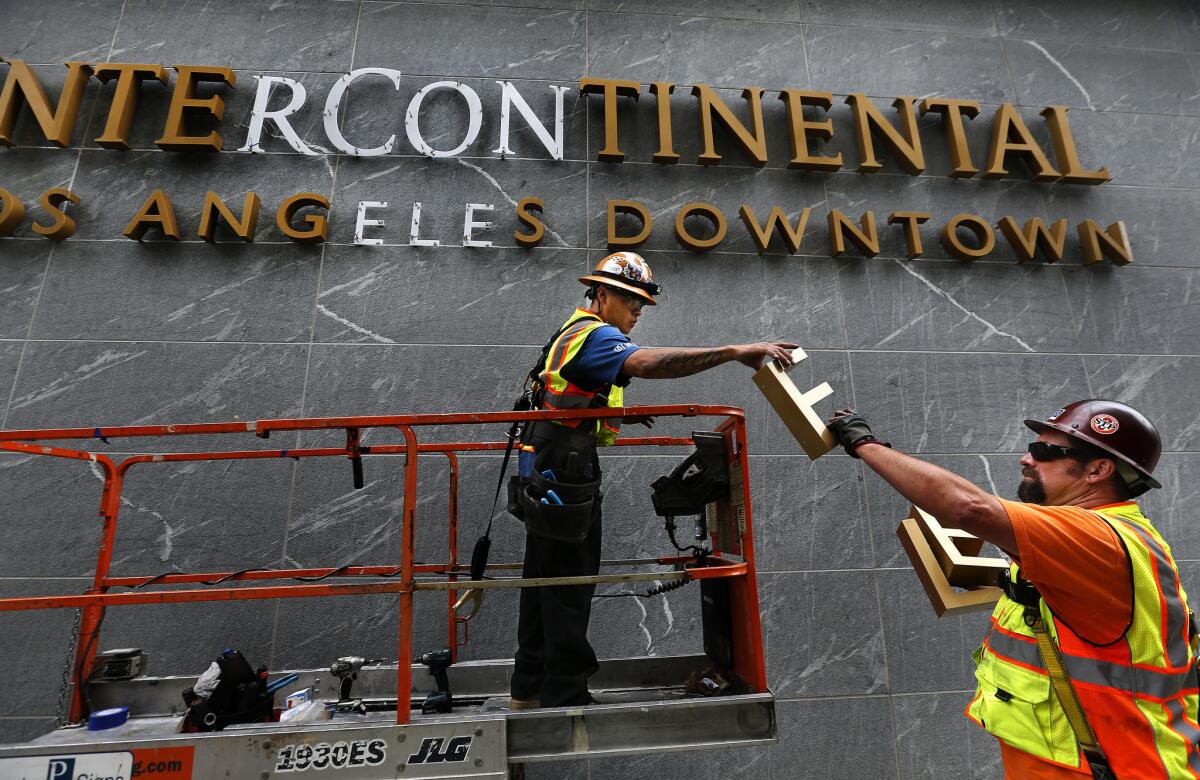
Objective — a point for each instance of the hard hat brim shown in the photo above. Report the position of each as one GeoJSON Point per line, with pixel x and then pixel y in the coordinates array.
{"type": "Point", "coordinates": [589, 280]}
{"type": "Point", "coordinates": [1041, 426]}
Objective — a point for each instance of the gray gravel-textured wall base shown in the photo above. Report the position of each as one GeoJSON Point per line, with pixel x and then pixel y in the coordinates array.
{"type": "Point", "coordinates": [944, 357]}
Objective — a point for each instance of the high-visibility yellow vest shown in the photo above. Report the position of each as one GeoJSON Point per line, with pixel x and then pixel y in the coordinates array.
{"type": "Point", "coordinates": [1139, 693]}
{"type": "Point", "coordinates": [562, 394]}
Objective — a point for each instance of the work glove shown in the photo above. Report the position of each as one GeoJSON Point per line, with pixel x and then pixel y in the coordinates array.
{"type": "Point", "coordinates": [852, 431]}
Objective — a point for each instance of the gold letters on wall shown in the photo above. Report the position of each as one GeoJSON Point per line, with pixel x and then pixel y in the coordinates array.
{"type": "Point", "coordinates": [753, 140]}
{"type": "Point", "coordinates": [905, 143]}
{"type": "Point", "coordinates": [1010, 138]}
{"type": "Point", "coordinates": [952, 112]}
{"type": "Point", "coordinates": [877, 135]}
{"type": "Point", "coordinates": [1027, 240]}
{"type": "Point", "coordinates": [1064, 149]}
{"type": "Point", "coordinates": [1112, 243]}
{"type": "Point", "coordinates": [525, 209]}
{"type": "Point", "coordinates": [120, 114]}
{"type": "Point", "coordinates": [634, 208]}
{"type": "Point", "coordinates": [776, 221]}
{"type": "Point", "coordinates": [912, 231]}
{"type": "Point", "coordinates": [841, 228]}
{"type": "Point", "coordinates": [214, 209]}
{"type": "Point", "coordinates": [183, 98]}
{"type": "Point", "coordinates": [611, 89]}
{"type": "Point", "coordinates": [666, 148]}
{"type": "Point", "coordinates": [156, 212]}
{"type": "Point", "coordinates": [12, 211]}
{"type": "Point", "coordinates": [63, 226]}
{"type": "Point", "coordinates": [318, 224]}
{"type": "Point", "coordinates": [706, 211]}
{"type": "Point", "coordinates": [802, 129]}
{"type": "Point", "coordinates": [954, 244]}
{"type": "Point", "coordinates": [22, 86]}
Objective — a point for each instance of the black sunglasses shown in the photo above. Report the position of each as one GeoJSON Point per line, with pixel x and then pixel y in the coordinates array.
{"type": "Point", "coordinates": [1044, 451]}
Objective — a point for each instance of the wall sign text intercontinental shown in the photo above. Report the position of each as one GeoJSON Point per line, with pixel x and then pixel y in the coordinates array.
{"type": "Point", "coordinates": [302, 217]}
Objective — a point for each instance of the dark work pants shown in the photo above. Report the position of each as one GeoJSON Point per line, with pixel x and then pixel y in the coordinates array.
{"type": "Point", "coordinates": [554, 658]}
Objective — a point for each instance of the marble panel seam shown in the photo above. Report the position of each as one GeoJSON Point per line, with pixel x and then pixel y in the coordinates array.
{"type": "Point", "coordinates": [442, 345]}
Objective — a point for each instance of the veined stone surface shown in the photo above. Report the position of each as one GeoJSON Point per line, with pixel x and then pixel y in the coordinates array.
{"type": "Point", "coordinates": [944, 357]}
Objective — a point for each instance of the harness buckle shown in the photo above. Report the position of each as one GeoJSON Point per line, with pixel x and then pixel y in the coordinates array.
{"type": "Point", "coordinates": [1021, 590]}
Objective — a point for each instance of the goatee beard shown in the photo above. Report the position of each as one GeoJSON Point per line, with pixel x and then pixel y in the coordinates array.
{"type": "Point", "coordinates": [1031, 491]}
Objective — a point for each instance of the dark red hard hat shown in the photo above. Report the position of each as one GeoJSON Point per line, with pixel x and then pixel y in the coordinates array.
{"type": "Point", "coordinates": [1115, 428]}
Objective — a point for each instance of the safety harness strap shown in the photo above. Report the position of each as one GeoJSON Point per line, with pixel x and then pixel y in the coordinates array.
{"type": "Point", "coordinates": [1061, 682]}
{"type": "Point", "coordinates": [1025, 593]}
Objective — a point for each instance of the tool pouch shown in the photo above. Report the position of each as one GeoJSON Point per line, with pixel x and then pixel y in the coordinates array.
{"type": "Point", "coordinates": [569, 521]}
{"type": "Point", "coordinates": [515, 485]}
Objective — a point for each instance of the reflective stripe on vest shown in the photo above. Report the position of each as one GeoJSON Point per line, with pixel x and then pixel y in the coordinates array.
{"type": "Point", "coordinates": [561, 394]}
{"type": "Point", "coordinates": [1144, 682]}
{"type": "Point", "coordinates": [1139, 693]}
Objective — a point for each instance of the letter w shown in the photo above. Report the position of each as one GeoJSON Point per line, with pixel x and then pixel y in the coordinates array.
{"type": "Point", "coordinates": [776, 221]}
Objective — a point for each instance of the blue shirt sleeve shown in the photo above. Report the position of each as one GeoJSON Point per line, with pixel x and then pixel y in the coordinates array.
{"type": "Point", "coordinates": [600, 359]}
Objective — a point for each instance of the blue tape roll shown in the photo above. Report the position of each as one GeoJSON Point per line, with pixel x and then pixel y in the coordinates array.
{"type": "Point", "coordinates": [107, 719]}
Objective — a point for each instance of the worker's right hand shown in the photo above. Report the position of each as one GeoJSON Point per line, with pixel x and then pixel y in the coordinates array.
{"type": "Point", "coordinates": [755, 355]}
{"type": "Point", "coordinates": [852, 431]}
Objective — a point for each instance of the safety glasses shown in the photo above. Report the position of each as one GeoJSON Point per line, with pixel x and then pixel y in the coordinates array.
{"type": "Point", "coordinates": [635, 302]}
{"type": "Point", "coordinates": [1044, 451]}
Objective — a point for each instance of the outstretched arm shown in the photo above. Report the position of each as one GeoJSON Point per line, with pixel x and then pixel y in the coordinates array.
{"type": "Point", "coordinates": [954, 501]}
{"type": "Point", "coordinates": [672, 363]}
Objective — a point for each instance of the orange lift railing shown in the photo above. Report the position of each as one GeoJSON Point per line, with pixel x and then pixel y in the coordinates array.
{"type": "Point", "coordinates": [732, 555]}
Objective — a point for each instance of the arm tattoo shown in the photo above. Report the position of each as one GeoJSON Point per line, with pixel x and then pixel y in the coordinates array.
{"type": "Point", "coordinates": [675, 363]}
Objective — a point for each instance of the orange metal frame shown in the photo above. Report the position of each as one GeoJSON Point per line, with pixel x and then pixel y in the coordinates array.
{"type": "Point", "coordinates": [747, 628]}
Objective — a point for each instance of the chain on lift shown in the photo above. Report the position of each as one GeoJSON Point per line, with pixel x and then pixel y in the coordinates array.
{"type": "Point", "coordinates": [60, 719]}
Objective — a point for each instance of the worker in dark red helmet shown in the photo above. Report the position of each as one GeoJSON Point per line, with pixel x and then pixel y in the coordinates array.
{"type": "Point", "coordinates": [1093, 596]}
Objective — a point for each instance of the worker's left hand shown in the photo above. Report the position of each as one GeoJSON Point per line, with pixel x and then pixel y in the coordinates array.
{"type": "Point", "coordinates": [755, 355]}
{"type": "Point", "coordinates": [647, 421]}
{"type": "Point", "coordinates": [852, 431]}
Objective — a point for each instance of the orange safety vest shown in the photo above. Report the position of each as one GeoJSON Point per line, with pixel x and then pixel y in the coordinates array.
{"type": "Point", "coordinates": [1139, 693]}
{"type": "Point", "coordinates": [559, 393]}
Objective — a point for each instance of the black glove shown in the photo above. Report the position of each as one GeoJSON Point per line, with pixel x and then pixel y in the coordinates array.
{"type": "Point", "coordinates": [852, 431]}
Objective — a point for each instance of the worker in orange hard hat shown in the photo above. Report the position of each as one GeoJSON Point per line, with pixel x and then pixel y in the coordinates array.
{"type": "Point", "coordinates": [1089, 667]}
{"type": "Point", "coordinates": [587, 363]}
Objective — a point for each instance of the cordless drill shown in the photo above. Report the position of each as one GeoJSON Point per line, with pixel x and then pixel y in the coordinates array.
{"type": "Point", "coordinates": [439, 700]}
{"type": "Point", "coordinates": [346, 669]}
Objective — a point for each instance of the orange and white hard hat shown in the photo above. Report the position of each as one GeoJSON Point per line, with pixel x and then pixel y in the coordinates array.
{"type": "Point", "coordinates": [627, 271]}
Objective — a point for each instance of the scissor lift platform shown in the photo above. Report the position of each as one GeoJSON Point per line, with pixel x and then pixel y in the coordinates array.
{"type": "Point", "coordinates": [643, 706]}
{"type": "Point", "coordinates": [480, 738]}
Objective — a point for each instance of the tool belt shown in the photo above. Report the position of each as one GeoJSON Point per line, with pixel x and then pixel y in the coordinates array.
{"type": "Point", "coordinates": [560, 496]}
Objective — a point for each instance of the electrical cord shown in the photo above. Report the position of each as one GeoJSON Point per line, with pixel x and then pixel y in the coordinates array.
{"type": "Point", "coordinates": [666, 587]}
{"type": "Point", "coordinates": [233, 575]}
{"type": "Point", "coordinates": [228, 577]}
{"type": "Point", "coordinates": [155, 579]}
{"type": "Point", "coordinates": [657, 589]}
{"type": "Point", "coordinates": [700, 552]}
{"type": "Point", "coordinates": [650, 593]}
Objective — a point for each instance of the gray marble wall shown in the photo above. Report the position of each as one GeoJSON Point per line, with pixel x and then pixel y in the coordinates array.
{"type": "Point", "coordinates": [945, 358]}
